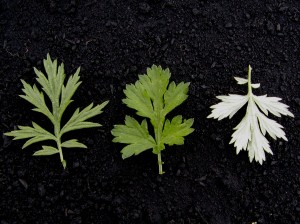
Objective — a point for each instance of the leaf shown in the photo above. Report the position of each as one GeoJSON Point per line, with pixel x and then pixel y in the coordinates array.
{"type": "Point", "coordinates": [153, 97]}
{"type": "Point", "coordinates": [134, 134]}
{"type": "Point", "coordinates": [78, 119]}
{"type": "Point", "coordinates": [35, 133]}
{"type": "Point", "coordinates": [46, 151]}
{"type": "Point", "coordinates": [53, 83]}
{"type": "Point", "coordinates": [68, 91]}
{"type": "Point", "coordinates": [175, 131]}
{"type": "Point", "coordinates": [228, 107]}
{"type": "Point", "coordinates": [35, 97]}
{"type": "Point", "coordinates": [146, 96]}
{"type": "Point", "coordinates": [60, 95]}
{"type": "Point", "coordinates": [138, 99]}
{"type": "Point", "coordinates": [258, 145]}
{"type": "Point", "coordinates": [175, 95]}
{"type": "Point", "coordinates": [270, 126]}
{"type": "Point", "coordinates": [241, 81]}
{"type": "Point", "coordinates": [156, 82]}
{"type": "Point", "coordinates": [272, 105]}
{"type": "Point", "coordinates": [255, 85]}
{"type": "Point", "coordinates": [73, 143]}
{"type": "Point", "coordinates": [250, 133]}
{"type": "Point", "coordinates": [53, 80]}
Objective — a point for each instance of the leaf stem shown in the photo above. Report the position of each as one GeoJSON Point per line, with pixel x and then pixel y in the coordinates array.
{"type": "Point", "coordinates": [60, 152]}
{"type": "Point", "coordinates": [158, 132]}
{"type": "Point", "coordinates": [249, 80]}
{"type": "Point", "coordinates": [160, 164]}
{"type": "Point", "coordinates": [55, 107]}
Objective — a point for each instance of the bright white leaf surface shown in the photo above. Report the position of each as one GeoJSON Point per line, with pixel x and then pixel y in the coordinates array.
{"type": "Point", "coordinates": [250, 133]}
{"type": "Point", "coordinates": [241, 81]}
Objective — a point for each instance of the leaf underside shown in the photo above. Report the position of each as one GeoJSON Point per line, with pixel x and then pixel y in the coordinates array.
{"type": "Point", "coordinates": [250, 133]}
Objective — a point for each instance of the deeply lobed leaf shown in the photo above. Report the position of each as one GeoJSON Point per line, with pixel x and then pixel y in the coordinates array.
{"type": "Point", "coordinates": [60, 97]}
{"type": "Point", "coordinates": [250, 132]}
{"type": "Point", "coordinates": [78, 119]}
{"type": "Point", "coordinates": [35, 133]}
{"type": "Point", "coordinates": [228, 107]}
{"type": "Point", "coordinates": [68, 91]}
{"type": "Point", "coordinates": [46, 151]}
{"type": "Point", "coordinates": [36, 98]}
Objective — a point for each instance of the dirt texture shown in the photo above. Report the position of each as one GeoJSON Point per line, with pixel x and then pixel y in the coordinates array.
{"type": "Point", "coordinates": [205, 43]}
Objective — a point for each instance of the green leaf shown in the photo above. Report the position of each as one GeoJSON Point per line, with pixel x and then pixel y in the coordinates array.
{"type": "Point", "coordinates": [35, 133]}
{"type": "Point", "coordinates": [46, 151]}
{"type": "Point", "coordinates": [51, 70]}
{"type": "Point", "coordinates": [52, 83]}
{"type": "Point", "coordinates": [68, 91]}
{"type": "Point", "coordinates": [73, 143]}
{"type": "Point", "coordinates": [156, 82]}
{"type": "Point", "coordinates": [175, 95]}
{"type": "Point", "coordinates": [138, 99]}
{"type": "Point", "coordinates": [153, 97]}
{"type": "Point", "coordinates": [78, 119]}
{"type": "Point", "coordinates": [146, 96]}
{"type": "Point", "coordinates": [175, 131]}
{"type": "Point", "coordinates": [134, 134]}
{"type": "Point", "coordinates": [35, 97]}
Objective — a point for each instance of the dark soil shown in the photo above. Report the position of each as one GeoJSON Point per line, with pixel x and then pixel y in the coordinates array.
{"type": "Point", "coordinates": [202, 42]}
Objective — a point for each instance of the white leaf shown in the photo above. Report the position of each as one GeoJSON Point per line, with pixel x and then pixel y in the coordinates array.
{"type": "Point", "coordinates": [255, 85]}
{"type": "Point", "coordinates": [250, 133]}
{"type": "Point", "coordinates": [242, 135]}
{"type": "Point", "coordinates": [228, 107]}
{"type": "Point", "coordinates": [272, 105]}
{"type": "Point", "coordinates": [272, 127]}
{"type": "Point", "coordinates": [241, 81]}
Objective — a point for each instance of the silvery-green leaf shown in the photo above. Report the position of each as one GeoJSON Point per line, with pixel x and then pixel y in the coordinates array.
{"type": "Point", "coordinates": [35, 97]}
{"type": "Point", "coordinates": [73, 143]}
{"type": "Point", "coordinates": [46, 151]}
{"type": "Point", "coordinates": [78, 119]}
{"type": "Point", "coordinates": [59, 95]}
{"type": "Point", "coordinates": [68, 91]}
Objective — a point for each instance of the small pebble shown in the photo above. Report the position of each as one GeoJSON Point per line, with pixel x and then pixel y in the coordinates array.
{"type": "Point", "coordinates": [195, 11]}
{"type": "Point", "coordinates": [41, 190]}
{"type": "Point", "coordinates": [144, 7]}
{"type": "Point", "coordinates": [228, 25]}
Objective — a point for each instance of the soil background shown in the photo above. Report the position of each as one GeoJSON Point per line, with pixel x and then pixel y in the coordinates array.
{"type": "Point", "coordinates": [205, 43]}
